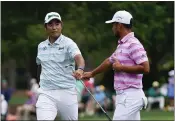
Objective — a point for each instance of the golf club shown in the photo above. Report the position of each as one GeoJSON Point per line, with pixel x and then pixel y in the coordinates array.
{"type": "Point", "coordinates": [96, 101]}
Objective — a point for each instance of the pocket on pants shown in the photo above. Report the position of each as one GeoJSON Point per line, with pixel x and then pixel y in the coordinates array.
{"type": "Point", "coordinates": [45, 102]}
{"type": "Point", "coordinates": [131, 102]}
{"type": "Point", "coordinates": [121, 99]}
{"type": "Point", "coordinates": [145, 102]}
{"type": "Point", "coordinates": [41, 101]}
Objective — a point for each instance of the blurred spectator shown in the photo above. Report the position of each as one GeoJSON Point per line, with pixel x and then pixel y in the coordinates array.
{"type": "Point", "coordinates": [34, 85]}
{"type": "Point", "coordinates": [79, 87]}
{"type": "Point", "coordinates": [87, 99]}
{"type": "Point", "coordinates": [29, 106]}
{"type": "Point", "coordinates": [4, 108]}
{"type": "Point", "coordinates": [100, 96]}
{"type": "Point", "coordinates": [23, 111]}
{"type": "Point", "coordinates": [113, 100]}
{"type": "Point", "coordinates": [154, 95]}
{"type": "Point", "coordinates": [11, 117]}
{"type": "Point", "coordinates": [109, 95]}
{"type": "Point", "coordinates": [171, 90]}
{"type": "Point", "coordinates": [6, 91]}
{"type": "Point", "coordinates": [164, 89]}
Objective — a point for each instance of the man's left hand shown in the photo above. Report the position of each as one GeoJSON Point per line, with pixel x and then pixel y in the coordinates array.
{"type": "Point", "coordinates": [117, 66]}
{"type": "Point", "coordinates": [78, 74]}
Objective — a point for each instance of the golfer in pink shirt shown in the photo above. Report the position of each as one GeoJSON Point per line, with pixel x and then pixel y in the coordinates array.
{"type": "Point", "coordinates": [130, 62]}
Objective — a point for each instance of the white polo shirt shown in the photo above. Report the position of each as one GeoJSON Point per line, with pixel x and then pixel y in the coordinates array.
{"type": "Point", "coordinates": [57, 63]}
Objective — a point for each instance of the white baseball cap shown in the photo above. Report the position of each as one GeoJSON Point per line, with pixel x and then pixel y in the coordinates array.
{"type": "Point", "coordinates": [171, 73]}
{"type": "Point", "coordinates": [52, 15]}
{"type": "Point", "coordinates": [121, 17]}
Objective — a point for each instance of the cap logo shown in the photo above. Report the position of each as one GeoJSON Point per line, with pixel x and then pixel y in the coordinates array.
{"type": "Point", "coordinates": [49, 16]}
{"type": "Point", "coordinates": [119, 17]}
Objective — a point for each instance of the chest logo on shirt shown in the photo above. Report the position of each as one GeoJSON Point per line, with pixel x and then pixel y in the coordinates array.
{"type": "Point", "coordinates": [70, 65]}
{"type": "Point", "coordinates": [44, 48]}
{"type": "Point", "coordinates": [60, 48]}
{"type": "Point", "coordinates": [143, 56]}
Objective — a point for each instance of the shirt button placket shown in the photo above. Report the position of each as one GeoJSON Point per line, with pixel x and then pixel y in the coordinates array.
{"type": "Point", "coordinates": [50, 52]}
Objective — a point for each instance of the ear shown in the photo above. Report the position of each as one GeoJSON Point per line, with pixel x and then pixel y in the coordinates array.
{"type": "Point", "coordinates": [62, 24]}
{"type": "Point", "coordinates": [117, 25]}
{"type": "Point", "coordinates": [120, 25]}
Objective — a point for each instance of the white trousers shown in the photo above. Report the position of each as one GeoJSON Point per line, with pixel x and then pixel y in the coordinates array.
{"type": "Point", "coordinates": [128, 104]}
{"type": "Point", "coordinates": [64, 102]}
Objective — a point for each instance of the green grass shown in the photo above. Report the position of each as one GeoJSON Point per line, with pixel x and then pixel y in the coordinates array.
{"type": "Point", "coordinates": [152, 115]}
{"type": "Point", "coordinates": [16, 100]}
{"type": "Point", "coordinates": [157, 115]}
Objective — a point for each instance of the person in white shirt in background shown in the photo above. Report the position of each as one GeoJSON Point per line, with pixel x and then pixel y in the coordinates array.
{"type": "Point", "coordinates": [34, 86]}
{"type": "Point", "coordinates": [154, 95]}
{"type": "Point", "coordinates": [170, 92]}
{"type": "Point", "coordinates": [4, 108]}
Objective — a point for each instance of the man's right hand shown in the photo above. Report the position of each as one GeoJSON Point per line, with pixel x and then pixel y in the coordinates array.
{"type": "Point", "coordinates": [87, 75]}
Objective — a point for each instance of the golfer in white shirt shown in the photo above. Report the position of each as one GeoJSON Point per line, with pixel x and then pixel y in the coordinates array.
{"type": "Point", "coordinates": [57, 57]}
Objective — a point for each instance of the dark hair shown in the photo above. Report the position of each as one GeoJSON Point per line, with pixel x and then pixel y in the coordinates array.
{"type": "Point", "coordinates": [128, 26]}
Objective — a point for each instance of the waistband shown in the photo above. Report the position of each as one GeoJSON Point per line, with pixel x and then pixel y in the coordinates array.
{"type": "Point", "coordinates": [54, 90]}
{"type": "Point", "coordinates": [118, 92]}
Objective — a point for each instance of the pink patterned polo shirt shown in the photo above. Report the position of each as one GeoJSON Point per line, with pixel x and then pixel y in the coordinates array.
{"type": "Point", "coordinates": [129, 52]}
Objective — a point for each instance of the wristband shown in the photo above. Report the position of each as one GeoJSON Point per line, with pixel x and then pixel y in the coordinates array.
{"type": "Point", "coordinates": [81, 68]}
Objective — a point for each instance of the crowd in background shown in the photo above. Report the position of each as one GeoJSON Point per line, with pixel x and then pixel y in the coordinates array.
{"type": "Point", "coordinates": [162, 95]}
{"type": "Point", "coordinates": [23, 111]}
{"type": "Point", "coordinates": [87, 105]}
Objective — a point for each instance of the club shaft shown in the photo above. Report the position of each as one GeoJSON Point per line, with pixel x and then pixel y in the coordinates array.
{"type": "Point", "coordinates": [96, 101]}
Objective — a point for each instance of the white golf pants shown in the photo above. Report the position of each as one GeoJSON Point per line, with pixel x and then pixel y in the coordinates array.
{"type": "Point", "coordinates": [64, 102]}
{"type": "Point", "coordinates": [128, 104]}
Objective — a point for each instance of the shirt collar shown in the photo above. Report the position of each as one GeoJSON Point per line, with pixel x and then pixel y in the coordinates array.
{"type": "Point", "coordinates": [126, 37]}
{"type": "Point", "coordinates": [57, 41]}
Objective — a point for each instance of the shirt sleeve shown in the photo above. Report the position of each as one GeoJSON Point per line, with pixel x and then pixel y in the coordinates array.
{"type": "Point", "coordinates": [112, 58]}
{"type": "Point", "coordinates": [137, 53]}
{"type": "Point", "coordinates": [38, 61]}
{"type": "Point", "coordinates": [73, 49]}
